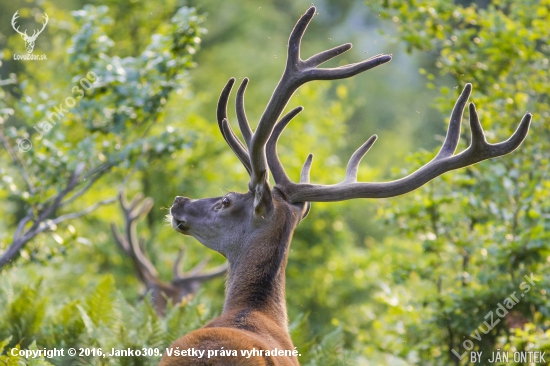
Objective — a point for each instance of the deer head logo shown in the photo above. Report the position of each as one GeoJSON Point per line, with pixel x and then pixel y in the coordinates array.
{"type": "Point", "coordinates": [29, 40]}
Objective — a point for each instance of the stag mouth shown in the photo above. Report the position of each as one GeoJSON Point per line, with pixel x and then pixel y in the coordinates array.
{"type": "Point", "coordinates": [179, 226]}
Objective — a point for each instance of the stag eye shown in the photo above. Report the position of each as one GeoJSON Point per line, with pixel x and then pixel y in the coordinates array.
{"type": "Point", "coordinates": [225, 202]}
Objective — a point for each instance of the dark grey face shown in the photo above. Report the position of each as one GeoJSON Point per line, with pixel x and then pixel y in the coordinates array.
{"type": "Point", "coordinates": [235, 222]}
{"type": "Point", "coordinates": [219, 223]}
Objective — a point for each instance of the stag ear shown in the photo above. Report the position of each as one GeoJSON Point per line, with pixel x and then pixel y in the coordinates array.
{"type": "Point", "coordinates": [263, 200]}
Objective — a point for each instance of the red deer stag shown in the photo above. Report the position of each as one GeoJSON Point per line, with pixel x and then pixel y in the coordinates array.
{"type": "Point", "coordinates": [253, 230]}
{"type": "Point", "coordinates": [182, 284]}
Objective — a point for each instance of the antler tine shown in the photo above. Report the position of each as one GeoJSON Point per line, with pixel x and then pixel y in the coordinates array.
{"type": "Point", "coordinates": [304, 178]}
{"type": "Point", "coordinates": [306, 169]}
{"type": "Point", "coordinates": [120, 241]}
{"type": "Point", "coordinates": [131, 209]}
{"type": "Point", "coordinates": [176, 269]}
{"type": "Point", "coordinates": [145, 208]}
{"type": "Point", "coordinates": [453, 131]}
{"type": "Point", "coordinates": [142, 263]}
{"type": "Point", "coordinates": [506, 147]}
{"type": "Point", "coordinates": [324, 56]}
{"type": "Point", "coordinates": [234, 142]}
{"type": "Point", "coordinates": [444, 161]}
{"type": "Point", "coordinates": [227, 133]}
{"type": "Point", "coordinates": [200, 266]}
{"type": "Point", "coordinates": [478, 136]}
{"type": "Point", "coordinates": [298, 72]}
{"type": "Point", "coordinates": [246, 131]}
{"type": "Point", "coordinates": [122, 199]}
{"type": "Point", "coordinates": [347, 71]}
{"type": "Point", "coordinates": [221, 111]}
{"type": "Point", "coordinates": [274, 163]}
{"type": "Point", "coordinates": [296, 35]}
{"type": "Point", "coordinates": [353, 164]}
{"type": "Point", "coordinates": [134, 202]}
{"type": "Point", "coordinates": [129, 242]}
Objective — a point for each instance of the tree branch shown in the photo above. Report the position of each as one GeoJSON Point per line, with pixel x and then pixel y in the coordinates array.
{"type": "Point", "coordinates": [16, 162]}
{"type": "Point", "coordinates": [20, 240]}
{"type": "Point", "coordinates": [87, 210]}
{"type": "Point", "coordinates": [22, 224]}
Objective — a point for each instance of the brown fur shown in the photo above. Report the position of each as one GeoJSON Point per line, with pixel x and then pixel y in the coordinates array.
{"type": "Point", "coordinates": [266, 335]}
{"type": "Point", "coordinates": [254, 315]}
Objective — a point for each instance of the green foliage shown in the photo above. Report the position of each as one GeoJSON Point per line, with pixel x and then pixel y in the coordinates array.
{"type": "Point", "coordinates": [24, 322]}
{"type": "Point", "coordinates": [483, 228]}
{"type": "Point", "coordinates": [110, 124]}
{"type": "Point", "coordinates": [102, 318]}
{"type": "Point", "coordinates": [330, 351]}
{"type": "Point", "coordinates": [12, 357]}
{"type": "Point", "coordinates": [383, 295]}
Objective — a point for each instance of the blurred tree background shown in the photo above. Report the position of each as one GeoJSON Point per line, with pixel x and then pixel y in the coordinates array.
{"type": "Point", "coordinates": [400, 281]}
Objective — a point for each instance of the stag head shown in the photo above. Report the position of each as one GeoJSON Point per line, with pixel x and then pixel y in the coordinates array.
{"type": "Point", "coordinates": [232, 223]}
{"type": "Point", "coordinates": [29, 40]}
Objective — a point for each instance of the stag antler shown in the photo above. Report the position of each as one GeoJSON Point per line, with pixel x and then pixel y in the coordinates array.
{"type": "Point", "coordinates": [182, 284]}
{"type": "Point", "coordinates": [297, 73]}
{"type": "Point", "coordinates": [129, 242]}
{"type": "Point", "coordinates": [444, 161]}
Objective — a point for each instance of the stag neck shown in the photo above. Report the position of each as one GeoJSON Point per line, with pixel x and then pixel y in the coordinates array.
{"type": "Point", "coordinates": [267, 296]}
{"type": "Point", "coordinates": [257, 276]}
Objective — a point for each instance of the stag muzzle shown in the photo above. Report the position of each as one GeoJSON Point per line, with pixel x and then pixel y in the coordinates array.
{"type": "Point", "coordinates": [179, 223]}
